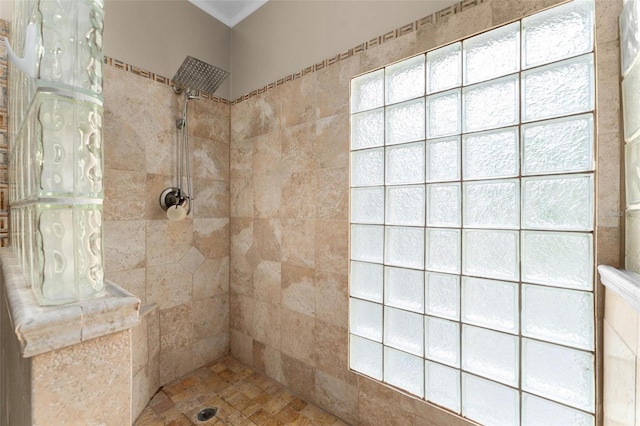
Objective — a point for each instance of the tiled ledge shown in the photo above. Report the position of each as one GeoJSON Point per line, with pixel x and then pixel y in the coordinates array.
{"type": "Point", "coordinates": [625, 284]}
{"type": "Point", "coordinates": [42, 329]}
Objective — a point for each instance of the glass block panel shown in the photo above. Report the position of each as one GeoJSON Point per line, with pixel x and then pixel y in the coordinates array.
{"type": "Point", "coordinates": [491, 104]}
{"type": "Point", "coordinates": [542, 412]}
{"type": "Point", "coordinates": [558, 315]}
{"type": "Point", "coordinates": [442, 341]}
{"type": "Point", "coordinates": [556, 146]}
{"type": "Point", "coordinates": [490, 254]}
{"type": "Point", "coordinates": [367, 167]}
{"type": "Point", "coordinates": [443, 159]}
{"type": "Point", "coordinates": [405, 205]}
{"type": "Point", "coordinates": [492, 54]}
{"type": "Point", "coordinates": [366, 281]}
{"type": "Point", "coordinates": [629, 34]}
{"type": "Point", "coordinates": [442, 295]}
{"type": "Point", "coordinates": [490, 304]}
{"type": "Point", "coordinates": [490, 354]}
{"type": "Point", "coordinates": [558, 259]}
{"type": "Point", "coordinates": [367, 243]}
{"type": "Point", "coordinates": [631, 103]}
{"type": "Point", "coordinates": [403, 330]}
{"type": "Point", "coordinates": [405, 122]}
{"type": "Point", "coordinates": [443, 114]}
{"type": "Point", "coordinates": [443, 250]}
{"type": "Point", "coordinates": [405, 80]}
{"type": "Point", "coordinates": [489, 403]}
{"type": "Point", "coordinates": [367, 91]}
{"type": "Point", "coordinates": [562, 202]}
{"type": "Point", "coordinates": [443, 201]}
{"type": "Point", "coordinates": [490, 154]}
{"type": "Point", "coordinates": [405, 163]}
{"type": "Point", "coordinates": [561, 88]}
{"type": "Point", "coordinates": [404, 247]}
{"type": "Point", "coordinates": [492, 204]}
{"type": "Point", "coordinates": [562, 374]}
{"type": "Point", "coordinates": [444, 68]}
{"type": "Point", "coordinates": [558, 33]}
{"type": "Point", "coordinates": [365, 319]}
{"type": "Point", "coordinates": [367, 129]}
{"type": "Point", "coordinates": [404, 289]}
{"type": "Point", "coordinates": [365, 356]}
{"type": "Point", "coordinates": [367, 205]}
{"type": "Point", "coordinates": [442, 385]}
{"type": "Point", "coordinates": [632, 171]}
{"type": "Point", "coordinates": [404, 371]}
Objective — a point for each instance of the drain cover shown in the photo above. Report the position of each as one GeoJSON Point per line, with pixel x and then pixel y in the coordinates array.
{"type": "Point", "coordinates": [207, 414]}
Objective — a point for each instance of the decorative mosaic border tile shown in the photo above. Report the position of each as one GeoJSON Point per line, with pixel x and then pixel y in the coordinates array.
{"type": "Point", "coordinates": [374, 42]}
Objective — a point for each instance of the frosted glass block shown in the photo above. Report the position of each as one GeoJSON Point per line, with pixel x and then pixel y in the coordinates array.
{"type": "Point", "coordinates": [561, 374]}
{"type": "Point", "coordinates": [443, 159]}
{"type": "Point", "coordinates": [367, 91]}
{"type": "Point", "coordinates": [404, 247]}
{"type": "Point", "coordinates": [542, 412]}
{"type": "Point", "coordinates": [443, 201]}
{"type": "Point", "coordinates": [490, 154]}
{"type": "Point", "coordinates": [365, 356]}
{"type": "Point", "coordinates": [367, 167]}
{"type": "Point", "coordinates": [492, 54]}
{"type": "Point", "coordinates": [490, 304]}
{"type": "Point", "coordinates": [489, 403]}
{"type": "Point", "coordinates": [367, 243]}
{"type": "Point", "coordinates": [632, 171]}
{"type": "Point", "coordinates": [490, 254]}
{"type": "Point", "coordinates": [405, 80]}
{"type": "Point", "coordinates": [443, 114]}
{"type": "Point", "coordinates": [558, 259]}
{"type": "Point", "coordinates": [492, 204]}
{"type": "Point", "coordinates": [490, 354]}
{"type": "Point", "coordinates": [405, 205]}
{"type": "Point", "coordinates": [631, 103]}
{"type": "Point", "coordinates": [442, 295]}
{"type": "Point", "coordinates": [561, 88]}
{"type": "Point", "coordinates": [443, 250]}
{"type": "Point", "coordinates": [405, 163]}
{"type": "Point", "coordinates": [444, 68]}
{"type": "Point", "coordinates": [404, 330]}
{"type": "Point", "coordinates": [366, 281]}
{"type": "Point", "coordinates": [558, 315]}
{"type": "Point", "coordinates": [562, 203]}
{"type": "Point", "coordinates": [367, 205]}
{"type": "Point", "coordinates": [491, 104]}
{"type": "Point", "coordinates": [365, 319]}
{"type": "Point", "coordinates": [404, 371]}
{"type": "Point", "coordinates": [556, 146]}
{"type": "Point", "coordinates": [629, 34]}
{"type": "Point", "coordinates": [404, 289]}
{"type": "Point", "coordinates": [405, 122]}
{"type": "Point", "coordinates": [442, 341]}
{"type": "Point", "coordinates": [442, 385]}
{"type": "Point", "coordinates": [367, 129]}
{"type": "Point", "coordinates": [558, 33]}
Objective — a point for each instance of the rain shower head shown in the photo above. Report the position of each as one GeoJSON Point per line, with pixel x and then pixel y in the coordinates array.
{"type": "Point", "coordinates": [198, 75]}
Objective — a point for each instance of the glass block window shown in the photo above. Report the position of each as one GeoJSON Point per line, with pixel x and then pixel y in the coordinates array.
{"type": "Point", "coordinates": [472, 219]}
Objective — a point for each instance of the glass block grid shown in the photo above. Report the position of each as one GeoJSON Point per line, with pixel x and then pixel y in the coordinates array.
{"type": "Point", "coordinates": [472, 219]}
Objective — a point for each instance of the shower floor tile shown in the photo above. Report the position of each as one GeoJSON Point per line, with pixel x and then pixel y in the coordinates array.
{"type": "Point", "coordinates": [242, 396]}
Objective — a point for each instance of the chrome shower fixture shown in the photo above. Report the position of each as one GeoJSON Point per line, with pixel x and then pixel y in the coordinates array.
{"type": "Point", "coordinates": [197, 75]}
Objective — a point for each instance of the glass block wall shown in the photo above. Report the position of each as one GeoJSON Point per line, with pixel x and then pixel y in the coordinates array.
{"type": "Point", "coordinates": [472, 217]}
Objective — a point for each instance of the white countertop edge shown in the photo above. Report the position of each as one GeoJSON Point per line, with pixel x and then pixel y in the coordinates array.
{"type": "Point", "coordinates": [625, 284]}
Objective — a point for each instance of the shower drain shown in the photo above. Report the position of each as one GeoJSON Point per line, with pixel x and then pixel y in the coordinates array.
{"type": "Point", "coordinates": [207, 414]}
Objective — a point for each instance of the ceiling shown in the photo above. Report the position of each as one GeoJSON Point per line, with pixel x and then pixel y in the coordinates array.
{"type": "Point", "coordinates": [229, 12]}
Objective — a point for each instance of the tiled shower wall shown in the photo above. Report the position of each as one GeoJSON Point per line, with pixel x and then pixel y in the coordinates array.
{"type": "Point", "coordinates": [289, 218]}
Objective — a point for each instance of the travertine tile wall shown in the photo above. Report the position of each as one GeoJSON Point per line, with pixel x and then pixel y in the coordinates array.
{"type": "Point", "coordinates": [289, 218]}
{"type": "Point", "coordinates": [180, 270]}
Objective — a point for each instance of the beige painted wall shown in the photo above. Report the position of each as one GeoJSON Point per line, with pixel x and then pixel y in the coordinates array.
{"type": "Point", "coordinates": [283, 37]}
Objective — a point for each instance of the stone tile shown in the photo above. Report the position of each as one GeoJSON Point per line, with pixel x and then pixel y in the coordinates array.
{"type": "Point", "coordinates": [609, 247]}
{"type": "Point", "coordinates": [139, 346]}
{"type": "Point", "coordinates": [210, 348]}
{"type": "Point", "coordinates": [300, 96]}
{"type": "Point", "coordinates": [241, 275]}
{"type": "Point", "coordinates": [299, 377]}
{"type": "Point", "coordinates": [241, 198]}
{"type": "Point", "coordinates": [211, 279]}
{"type": "Point", "coordinates": [619, 379]}
{"type": "Point", "coordinates": [622, 318]}
{"type": "Point", "coordinates": [508, 10]}
{"type": "Point", "coordinates": [298, 147]}
{"type": "Point", "coordinates": [331, 245]}
{"type": "Point", "coordinates": [241, 346]}
{"type": "Point", "coordinates": [267, 282]}
{"type": "Point", "coordinates": [429, 415]}
{"type": "Point", "coordinates": [155, 185]}
{"type": "Point", "coordinates": [332, 298]}
{"type": "Point", "coordinates": [298, 242]}
{"type": "Point", "coordinates": [241, 159]}
{"type": "Point", "coordinates": [609, 180]}
{"type": "Point", "coordinates": [298, 340]}
{"type": "Point", "coordinates": [267, 324]}
{"type": "Point", "coordinates": [192, 260]}
{"type": "Point", "coordinates": [337, 396]}
{"type": "Point", "coordinates": [168, 242]}
{"type": "Point", "coordinates": [241, 309]}
{"type": "Point", "coordinates": [607, 14]}
{"type": "Point", "coordinates": [331, 351]}
{"type": "Point", "coordinates": [153, 326]}
{"type": "Point", "coordinates": [386, 53]}
{"type": "Point", "coordinates": [299, 195]}
{"type": "Point", "coordinates": [268, 175]}
{"type": "Point", "coordinates": [268, 360]}
{"type": "Point", "coordinates": [298, 289]}
{"type": "Point", "coordinates": [118, 202]}
{"type": "Point", "coordinates": [332, 193]}
{"type": "Point", "coordinates": [132, 280]}
{"type": "Point", "coordinates": [124, 245]}
{"type": "Point", "coordinates": [332, 142]}
{"type": "Point", "coordinates": [256, 116]}
{"type": "Point", "coordinates": [176, 364]}
{"type": "Point", "coordinates": [211, 199]}
{"type": "Point", "coordinates": [209, 159]}
{"type": "Point", "coordinates": [267, 234]}
{"type": "Point", "coordinates": [210, 316]}
{"type": "Point", "coordinates": [211, 237]}
{"type": "Point", "coordinates": [168, 285]}
{"type": "Point", "coordinates": [176, 329]}
{"type": "Point", "coordinates": [210, 120]}
{"type": "Point", "coordinates": [332, 90]}
{"type": "Point", "coordinates": [399, 409]}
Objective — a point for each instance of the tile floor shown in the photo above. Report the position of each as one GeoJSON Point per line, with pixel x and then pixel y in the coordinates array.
{"type": "Point", "coordinates": [242, 396]}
